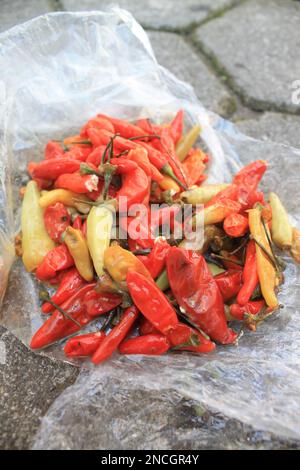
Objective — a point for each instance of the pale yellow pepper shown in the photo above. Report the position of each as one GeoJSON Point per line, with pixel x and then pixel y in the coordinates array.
{"type": "Point", "coordinates": [282, 232]}
{"type": "Point", "coordinates": [80, 202]}
{"type": "Point", "coordinates": [266, 271]}
{"type": "Point", "coordinates": [35, 240]}
{"type": "Point", "coordinates": [202, 194]}
{"type": "Point", "coordinates": [168, 184]}
{"type": "Point", "coordinates": [99, 225]}
{"type": "Point", "coordinates": [78, 248]}
{"type": "Point", "coordinates": [187, 141]}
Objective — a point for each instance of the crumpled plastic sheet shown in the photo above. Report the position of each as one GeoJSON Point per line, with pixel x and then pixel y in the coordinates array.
{"type": "Point", "coordinates": [56, 72]}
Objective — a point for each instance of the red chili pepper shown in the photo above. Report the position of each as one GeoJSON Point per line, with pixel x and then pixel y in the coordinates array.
{"type": "Point", "coordinates": [146, 327]}
{"type": "Point", "coordinates": [56, 219]}
{"type": "Point", "coordinates": [253, 307]}
{"type": "Point", "coordinates": [84, 345]}
{"type": "Point", "coordinates": [234, 265]}
{"type": "Point", "coordinates": [78, 153]}
{"type": "Point", "coordinates": [140, 157]}
{"type": "Point", "coordinates": [123, 166]}
{"type": "Point", "coordinates": [156, 260]}
{"type": "Point", "coordinates": [250, 276]}
{"type": "Point", "coordinates": [146, 125]}
{"type": "Point", "coordinates": [116, 335]}
{"type": "Point", "coordinates": [124, 128]}
{"type": "Point", "coordinates": [250, 175]}
{"type": "Point", "coordinates": [229, 283]}
{"type": "Point", "coordinates": [52, 169]}
{"type": "Point", "coordinates": [235, 225]}
{"type": "Point", "coordinates": [197, 292]}
{"type": "Point", "coordinates": [55, 260]}
{"type": "Point", "coordinates": [97, 122]}
{"type": "Point", "coordinates": [164, 216]}
{"type": "Point", "coordinates": [193, 167]}
{"type": "Point", "coordinates": [77, 183]}
{"type": "Point", "coordinates": [135, 186]}
{"type": "Point", "coordinates": [99, 303]}
{"type": "Point", "coordinates": [153, 304]}
{"type": "Point", "coordinates": [70, 282]}
{"type": "Point", "coordinates": [177, 126]}
{"type": "Point", "coordinates": [186, 338]}
{"type": "Point", "coordinates": [95, 136]}
{"type": "Point", "coordinates": [53, 150]}
{"type": "Point", "coordinates": [168, 149]}
{"type": "Point", "coordinates": [143, 237]}
{"type": "Point", "coordinates": [150, 345]}
{"type": "Point", "coordinates": [156, 174]}
{"type": "Point", "coordinates": [84, 228]}
{"type": "Point", "coordinates": [230, 193]}
{"type": "Point", "coordinates": [77, 223]}
{"type": "Point", "coordinates": [58, 326]}
{"type": "Point", "coordinates": [96, 155]}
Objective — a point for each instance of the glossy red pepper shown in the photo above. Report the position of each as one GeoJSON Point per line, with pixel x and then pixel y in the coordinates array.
{"type": "Point", "coordinates": [84, 345]}
{"type": "Point", "coordinates": [99, 303]}
{"type": "Point", "coordinates": [55, 260]}
{"type": "Point", "coordinates": [53, 150]}
{"type": "Point", "coordinates": [197, 293]}
{"type": "Point", "coordinates": [186, 338]}
{"type": "Point", "coordinates": [153, 304]}
{"type": "Point", "coordinates": [153, 344]}
{"type": "Point", "coordinates": [123, 165]}
{"type": "Point", "coordinates": [251, 174]}
{"type": "Point", "coordinates": [98, 122]}
{"type": "Point", "coordinates": [77, 183]}
{"type": "Point", "coordinates": [135, 186]}
{"type": "Point", "coordinates": [56, 219]}
{"type": "Point", "coordinates": [250, 276]}
{"type": "Point", "coordinates": [58, 326]}
{"type": "Point", "coordinates": [124, 128]}
{"type": "Point", "coordinates": [253, 308]}
{"type": "Point", "coordinates": [53, 168]}
{"type": "Point", "coordinates": [236, 225]}
{"type": "Point", "coordinates": [95, 156]}
{"type": "Point", "coordinates": [177, 126]}
{"type": "Point", "coordinates": [70, 282]}
{"type": "Point", "coordinates": [155, 262]}
{"type": "Point", "coordinates": [229, 283]}
{"type": "Point", "coordinates": [116, 335]}
{"type": "Point", "coordinates": [146, 327]}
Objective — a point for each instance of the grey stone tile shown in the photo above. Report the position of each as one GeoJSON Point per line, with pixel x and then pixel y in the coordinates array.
{"type": "Point", "coordinates": [278, 127]}
{"type": "Point", "coordinates": [158, 14]}
{"type": "Point", "coordinates": [28, 385]}
{"type": "Point", "coordinates": [257, 44]}
{"type": "Point", "coordinates": [175, 54]}
{"type": "Point", "coordinates": [13, 12]}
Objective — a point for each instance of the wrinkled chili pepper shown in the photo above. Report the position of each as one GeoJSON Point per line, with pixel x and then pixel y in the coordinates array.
{"type": "Point", "coordinates": [235, 225]}
{"type": "Point", "coordinates": [153, 344]}
{"type": "Point", "coordinates": [58, 326]}
{"type": "Point", "coordinates": [53, 168]}
{"type": "Point", "coordinates": [185, 338]}
{"type": "Point", "coordinates": [116, 335]}
{"type": "Point", "coordinates": [253, 307]}
{"type": "Point", "coordinates": [250, 276]}
{"type": "Point", "coordinates": [229, 283]}
{"type": "Point", "coordinates": [156, 260]}
{"type": "Point", "coordinates": [194, 167]}
{"type": "Point", "coordinates": [57, 259]}
{"type": "Point", "coordinates": [70, 282]}
{"type": "Point", "coordinates": [77, 183]}
{"type": "Point", "coordinates": [197, 292]}
{"type": "Point", "coordinates": [57, 219]}
{"type": "Point", "coordinates": [153, 304]}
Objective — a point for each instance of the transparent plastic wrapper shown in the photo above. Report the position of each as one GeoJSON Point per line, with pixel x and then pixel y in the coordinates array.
{"type": "Point", "coordinates": [56, 72]}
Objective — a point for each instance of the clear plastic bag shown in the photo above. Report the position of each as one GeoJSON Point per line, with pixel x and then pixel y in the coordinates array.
{"type": "Point", "coordinates": [56, 72]}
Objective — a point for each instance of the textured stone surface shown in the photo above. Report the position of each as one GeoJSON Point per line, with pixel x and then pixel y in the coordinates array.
{"type": "Point", "coordinates": [159, 14]}
{"type": "Point", "coordinates": [13, 12]}
{"type": "Point", "coordinates": [175, 54]}
{"type": "Point", "coordinates": [278, 127]}
{"type": "Point", "coordinates": [28, 386]}
{"type": "Point", "coordinates": [257, 43]}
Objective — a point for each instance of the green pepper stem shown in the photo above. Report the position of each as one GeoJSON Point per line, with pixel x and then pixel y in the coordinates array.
{"type": "Point", "coordinates": [162, 281]}
{"type": "Point", "coordinates": [167, 170]}
{"type": "Point", "coordinates": [45, 296]}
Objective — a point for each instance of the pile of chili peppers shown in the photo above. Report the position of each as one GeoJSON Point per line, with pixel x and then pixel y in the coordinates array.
{"type": "Point", "coordinates": [153, 293]}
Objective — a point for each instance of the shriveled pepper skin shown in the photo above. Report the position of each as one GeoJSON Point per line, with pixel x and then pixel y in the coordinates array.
{"type": "Point", "coordinates": [153, 344]}
{"type": "Point", "coordinates": [153, 304]}
{"type": "Point", "coordinates": [253, 307]}
{"type": "Point", "coordinates": [116, 335]}
{"type": "Point", "coordinates": [57, 259]}
{"type": "Point", "coordinates": [57, 219]}
{"type": "Point", "coordinates": [36, 242]}
{"type": "Point", "coordinates": [58, 326]}
{"type": "Point", "coordinates": [83, 345]}
{"type": "Point", "coordinates": [197, 292]}
{"type": "Point", "coordinates": [229, 283]}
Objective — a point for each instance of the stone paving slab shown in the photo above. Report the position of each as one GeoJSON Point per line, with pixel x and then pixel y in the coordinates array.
{"type": "Point", "coordinates": [175, 54]}
{"type": "Point", "coordinates": [159, 14]}
{"type": "Point", "coordinates": [28, 385]}
{"type": "Point", "coordinates": [13, 12]}
{"type": "Point", "coordinates": [278, 127]}
{"type": "Point", "coordinates": [257, 43]}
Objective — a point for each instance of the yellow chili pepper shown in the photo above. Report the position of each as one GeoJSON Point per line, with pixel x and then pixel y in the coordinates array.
{"type": "Point", "coordinates": [187, 141]}
{"type": "Point", "coordinates": [78, 248]}
{"type": "Point", "coordinates": [282, 232]}
{"type": "Point", "coordinates": [99, 225]}
{"type": "Point", "coordinates": [202, 194]}
{"type": "Point", "coordinates": [265, 268]}
{"type": "Point", "coordinates": [295, 250]}
{"type": "Point", "coordinates": [169, 184]}
{"type": "Point", "coordinates": [35, 240]}
{"type": "Point", "coordinates": [66, 197]}
{"type": "Point", "coordinates": [119, 261]}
